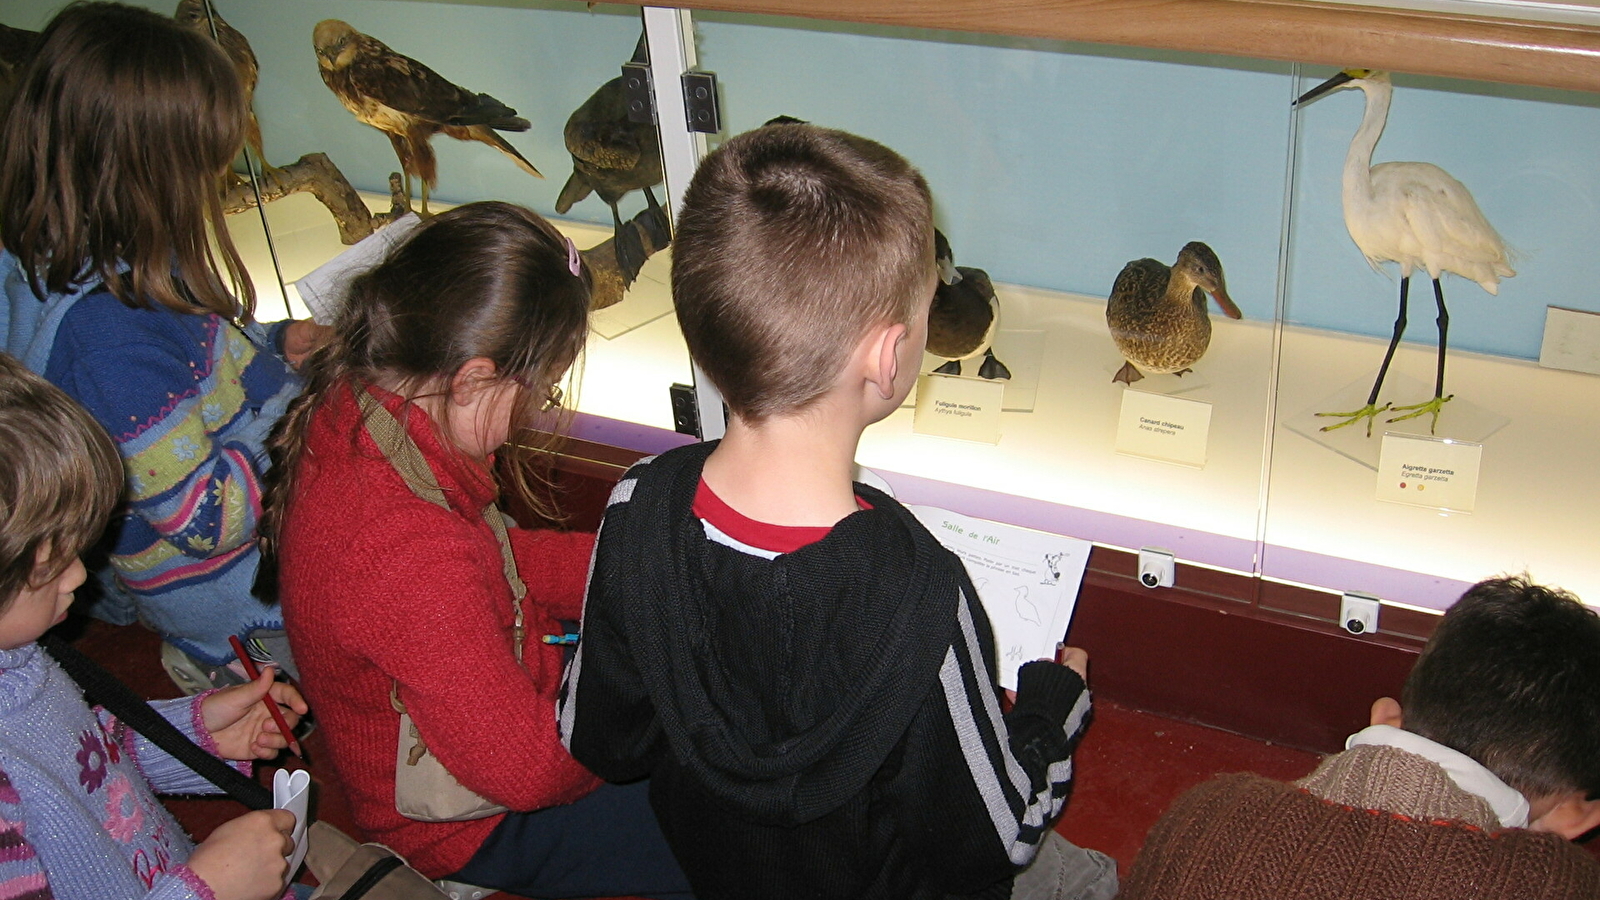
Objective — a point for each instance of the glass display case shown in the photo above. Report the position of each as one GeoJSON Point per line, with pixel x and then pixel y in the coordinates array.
{"type": "Point", "coordinates": [1054, 166]}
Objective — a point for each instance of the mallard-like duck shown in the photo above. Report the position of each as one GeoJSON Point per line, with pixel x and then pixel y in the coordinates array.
{"type": "Point", "coordinates": [1157, 314]}
{"type": "Point", "coordinates": [611, 156]}
{"type": "Point", "coordinates": [964, 317]}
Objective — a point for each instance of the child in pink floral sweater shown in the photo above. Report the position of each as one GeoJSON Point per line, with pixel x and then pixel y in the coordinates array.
{"type": "Point", "coordinates": [77, 817]}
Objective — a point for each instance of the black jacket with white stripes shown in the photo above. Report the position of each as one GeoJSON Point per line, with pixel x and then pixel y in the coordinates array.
{"type": "Point", "coordinates": [819, 724]}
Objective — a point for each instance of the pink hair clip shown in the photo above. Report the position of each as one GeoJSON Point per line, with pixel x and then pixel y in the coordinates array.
{"type": "Point", "coordinates": [573, 259]}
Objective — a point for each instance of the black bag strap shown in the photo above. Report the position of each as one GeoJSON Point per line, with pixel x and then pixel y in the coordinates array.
{"type": "Point", "coordinates": [105, 689]}
{"type": "Point", "coordinates": [101, 687]}
{"type": "Point", "coordinates": [370, 878]}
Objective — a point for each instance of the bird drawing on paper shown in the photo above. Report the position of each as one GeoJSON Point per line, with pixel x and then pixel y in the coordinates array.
{"type": "Point", "coordinates": [1158, 315]}
{"type": "Point", "coordinates": [964, 317]}
{"type": "Point", "coordinates": [1414, 214]}
{"type": "Point", "coordinates": [201, 16]}
{"type": "Point", "coordinates": [1027, 610]}
{"type": "Point", "coordinates": [612, 156]}
{"type": "Point", "coordinates": [409, 102]}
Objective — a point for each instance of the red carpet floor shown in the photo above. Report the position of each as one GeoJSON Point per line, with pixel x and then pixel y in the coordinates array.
{"type": "Point", "coordinates": [1130, 767]}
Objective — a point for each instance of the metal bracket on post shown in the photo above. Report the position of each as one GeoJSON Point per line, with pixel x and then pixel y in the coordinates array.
{"type": "Point", "coordinates": [700, 101]}
{"type": "Point", "coordinates": [637, 89]}
{"type": "Point", "coordinates": [699, 98]}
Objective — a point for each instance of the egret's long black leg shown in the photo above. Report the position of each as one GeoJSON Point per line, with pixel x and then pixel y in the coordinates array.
{"type": "Point", "coordinates": [1432, 407]}
{"type": "Point", "coordinates": [1444, 330]}
{"type": "Point", "coordinates": [1372, 409]}
{"type": "Point", "coordinates": [1399, 329]}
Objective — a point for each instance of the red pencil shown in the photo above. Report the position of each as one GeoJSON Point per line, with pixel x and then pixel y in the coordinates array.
{"type": "Point", "coordinates": [272, 705]}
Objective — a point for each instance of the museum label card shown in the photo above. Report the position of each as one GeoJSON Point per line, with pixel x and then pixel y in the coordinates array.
{"type": "Point", "coordinates": [1027, 580]}
{"type": "Point", "coordinates": [959, 407]}
{"type": "Point", "coordinates": [1170, 429]}
{"type": "Point", "coordinates": [1439, 473]}
{"type": "Point", "coordinates": [1571, 340]}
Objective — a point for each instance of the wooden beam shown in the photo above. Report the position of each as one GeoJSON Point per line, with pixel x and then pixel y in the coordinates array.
{"type": "Point", "coordinates": [1423, 43]}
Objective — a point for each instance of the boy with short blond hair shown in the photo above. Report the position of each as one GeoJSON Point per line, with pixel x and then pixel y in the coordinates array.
{"type": "Point", "coordinates": [803, 671]}
{"type": "Point", "coordinates": [1470, 788]}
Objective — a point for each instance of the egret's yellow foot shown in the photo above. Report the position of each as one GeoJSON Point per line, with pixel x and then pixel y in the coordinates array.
{"type": "Point", "coordinates": [1368, 412]}
{"type": "Point", "coordinates": [1419, 409]}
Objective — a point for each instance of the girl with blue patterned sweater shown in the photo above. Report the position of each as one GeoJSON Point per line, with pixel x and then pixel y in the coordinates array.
{"type": "Point", "coordinates": [110, 160]}
{"type": "Point", "coordinates": [77, 817]}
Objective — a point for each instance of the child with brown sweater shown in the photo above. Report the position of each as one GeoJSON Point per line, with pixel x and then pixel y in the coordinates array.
{"type": "Point", "coordinates": [1471, 788]}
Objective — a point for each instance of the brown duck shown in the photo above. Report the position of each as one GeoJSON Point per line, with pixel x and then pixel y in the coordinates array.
{"type": "Point", "coordinates": [1157, 315]}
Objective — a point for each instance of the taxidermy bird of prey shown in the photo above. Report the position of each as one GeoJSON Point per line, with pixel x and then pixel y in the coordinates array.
{"type": "Point", "coordinates": [201, 16]}
{"type": "Point", "coordinates": [409, 102]}
{"type": "Point", "coordinates": [612, 156]}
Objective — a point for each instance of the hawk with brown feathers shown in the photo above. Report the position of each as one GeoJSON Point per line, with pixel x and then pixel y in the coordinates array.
{"type": "Point", "coordinates": [409, 102]}
{"type": "Point", "coordinates": [201, 16]}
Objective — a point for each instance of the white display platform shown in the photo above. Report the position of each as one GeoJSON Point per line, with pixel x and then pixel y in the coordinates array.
{"type": "Point", "coordinates": [1303, 508]}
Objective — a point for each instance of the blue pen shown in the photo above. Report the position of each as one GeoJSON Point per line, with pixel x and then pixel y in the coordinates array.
{"type": "Point", "coordinates": [568, 638]}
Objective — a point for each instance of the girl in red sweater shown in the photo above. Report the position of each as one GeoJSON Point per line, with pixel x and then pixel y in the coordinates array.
{"type": "Point", "coordinates": [462, 335]}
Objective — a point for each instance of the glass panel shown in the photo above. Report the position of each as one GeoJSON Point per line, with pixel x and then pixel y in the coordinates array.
{"type": "Point", "coordinates": [1527, 157]}
{"type": "Point", "coordinates": [1052, 166]}
{"type": "Point", "coordinates": [544, 60]}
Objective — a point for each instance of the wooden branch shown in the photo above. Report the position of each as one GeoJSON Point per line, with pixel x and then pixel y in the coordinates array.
{"type": "Point", "coordinates": [316, 173]}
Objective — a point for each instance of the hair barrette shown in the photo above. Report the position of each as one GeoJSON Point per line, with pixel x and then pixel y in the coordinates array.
{"type": "Point", "coordinates": [573, 259]}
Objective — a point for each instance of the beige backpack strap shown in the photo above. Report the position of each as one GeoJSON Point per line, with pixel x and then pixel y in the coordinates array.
{"type": "Point", "coordinates": [402, 453]}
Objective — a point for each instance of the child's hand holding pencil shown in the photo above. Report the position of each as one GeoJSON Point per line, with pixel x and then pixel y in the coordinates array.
{"type": "Point", "coordinates": [254, 720]}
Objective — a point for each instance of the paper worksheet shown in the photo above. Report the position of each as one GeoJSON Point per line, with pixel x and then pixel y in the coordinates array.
{"type": "Point", "coordinates": [292, 791]}
{"type": "Point", "coordinates": [1028, 581]}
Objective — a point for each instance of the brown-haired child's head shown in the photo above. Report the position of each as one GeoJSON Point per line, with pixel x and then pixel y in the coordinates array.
{"type": "Point", "coordinates": [1511, 678]}
{"type": "Point", "coordinates": [488, 293]}
{"type": "Point", "coordinates": [119, 130]}
{"type": "Point", "coordinates": [793, 241]}
{"type": "Point", "coordinates": [60, 478]}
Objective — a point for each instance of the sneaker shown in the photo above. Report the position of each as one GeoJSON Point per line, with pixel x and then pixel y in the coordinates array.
{"type": "Point", "coordinates": [267, 647]}
{"type": "Point", "coordinates": [194, 677]}
{"type": "Point", "coordinates": [271, 647]}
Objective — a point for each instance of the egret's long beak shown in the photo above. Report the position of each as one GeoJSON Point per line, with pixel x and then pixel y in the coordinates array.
{"type": "Point", "coordinates": [1337, 81]}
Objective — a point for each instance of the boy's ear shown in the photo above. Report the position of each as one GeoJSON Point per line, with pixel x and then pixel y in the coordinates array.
{"type": "Point", "coordinates": [883, 357]}
{"type": "Point", "coordinates": [474, 375]}
{"type": "Point", "coordinates": [1386, 711]}
{"type": "Point", "coordinates": [1572, 817]}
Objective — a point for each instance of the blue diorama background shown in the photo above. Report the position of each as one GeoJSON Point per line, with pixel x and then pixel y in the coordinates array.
{"type": "Point", "coordinates": [1052, 164]}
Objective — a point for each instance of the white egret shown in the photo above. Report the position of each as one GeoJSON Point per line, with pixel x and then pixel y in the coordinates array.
{"type": "Point", "coordinates": [1414, 214]}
